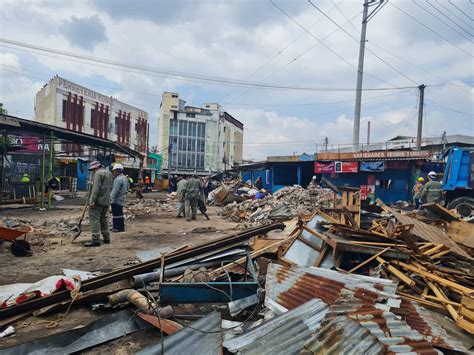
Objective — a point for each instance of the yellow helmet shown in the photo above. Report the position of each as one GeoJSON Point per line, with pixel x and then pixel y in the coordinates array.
{"type": "Point", "coordinates": [420, 179]}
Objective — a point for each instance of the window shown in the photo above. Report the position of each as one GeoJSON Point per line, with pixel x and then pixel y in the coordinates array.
{"type": "Point", "coordinates": [207, 106]}
{"type": "Point", "coordinates": [183, 128]}
{"type": "Point", "coordinates": [192, 129]}
{"type": "Point", "coordinates": [175, 115]}
{"type": "Point", "coordinates": [174, 127]}
{"type": "Point", "coordinates": [189, 114]}
{"type": "Point", "coordinates": [92, 117]}
{"type": "Point", "coordinates": [174, 106]}
{"type": "Point", "coordinates": [174, 95]}
{"type": "Point", "coordinates": [64, 110]}
{"type": "Point", "coordinates": [191, 145]}
{"type": "Point", "coordinates": [182, 144]}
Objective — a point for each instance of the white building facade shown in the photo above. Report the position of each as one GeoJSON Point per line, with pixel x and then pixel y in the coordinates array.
{"type": "Point", "coordinates": [65, 104]}
{"type": "Point", "coordinates": [197, 139]}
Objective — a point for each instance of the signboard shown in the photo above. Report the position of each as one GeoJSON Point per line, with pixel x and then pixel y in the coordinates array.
{"type": "Point", "coordinates": [372, 166]}
{"type": "Point", "coordinates": [367, 192]}
{"type": "Point", "coordinates": [324, 167]}
{"type": "Point", "coordinates": [401, 154]}
{"type": "Point", "coordinates": [349, 167]}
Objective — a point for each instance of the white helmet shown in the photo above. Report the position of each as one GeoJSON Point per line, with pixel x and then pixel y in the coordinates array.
{"type": "Point", "coordinates": [117, 166]}
{"type": "Point", "coordinates": [432, 174]}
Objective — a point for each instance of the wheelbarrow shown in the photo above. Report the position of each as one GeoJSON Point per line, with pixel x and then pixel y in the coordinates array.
{"type": "Point", "coordinates": [19, 247]}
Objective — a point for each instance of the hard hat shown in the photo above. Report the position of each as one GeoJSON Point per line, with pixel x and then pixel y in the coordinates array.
{"type": "Point", "coordinates": [95, 164]}
{"type": "Point", "coordinates": [314, 177]}
{"type": "Point", "coordinates": [432, 174]}
{"type": "Point", "coordinates": [147, 177]}
{"type": "Point", "coordinates": [117, 166]}
{"type": "Point", "coordinates": [25, 174]}
{"type": "Point", "coordinates": [421, 179]}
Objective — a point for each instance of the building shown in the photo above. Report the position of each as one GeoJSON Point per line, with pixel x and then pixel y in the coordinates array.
{"type": "Point", "coordinates": [65, 104]}
{"type": "Point", "coordinates": [197, 139]}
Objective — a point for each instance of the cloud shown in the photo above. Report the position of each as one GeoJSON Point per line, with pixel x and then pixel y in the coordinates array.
{"type": "Point", "coordinates": [84, 32]}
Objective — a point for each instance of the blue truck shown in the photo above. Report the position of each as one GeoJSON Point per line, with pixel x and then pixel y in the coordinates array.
{"type": "Point", "coordinates": [458, 180]}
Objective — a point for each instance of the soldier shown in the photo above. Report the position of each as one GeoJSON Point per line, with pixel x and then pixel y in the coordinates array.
{"type": "Point", "coordinates": [191, 197]}
{"type": "Point", "coordinates": [99, 202]}
{"type": "Point", "coordinates": [432, 192]}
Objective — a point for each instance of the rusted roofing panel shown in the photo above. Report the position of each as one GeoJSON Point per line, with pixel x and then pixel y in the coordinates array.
{"type": "Point", "coordinates": [284, 334]}
{"type": "Point", "coordinates": [293, 286]}
{"type": "Point", "coordinates": [428, 232]}
{"type": "Point", "coordinates": [420, 320]}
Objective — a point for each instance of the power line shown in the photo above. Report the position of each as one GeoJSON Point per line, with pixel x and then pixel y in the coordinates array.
{"type": "Point", "coordinates": [440, 20]}
{"type": "Point", "coordinates": [368, 49]}
{"type": "Point", "coordinates": [186, 76]}
{"type": "Point", "coordinates": [460, 10]}
{"type": "Point", "coordinates": [455, 15]}
{"type": "Point", "coordinates": [434, 103]}
{"type": "Point", "coordinates": [430, 29]}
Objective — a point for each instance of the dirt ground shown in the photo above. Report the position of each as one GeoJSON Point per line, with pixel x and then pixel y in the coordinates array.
{"type": "Point", "coordinates": [154, 232]}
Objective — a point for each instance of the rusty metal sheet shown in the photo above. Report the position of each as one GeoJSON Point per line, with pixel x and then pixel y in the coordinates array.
{"type": "Point", "coordinates": [421, 320]}
{"type": "Point", "coordinates": [428, 232]}
{"type": "Point", "coordinates": [293, 286]}
{"type": "Point", "coordinates": [284, 334]}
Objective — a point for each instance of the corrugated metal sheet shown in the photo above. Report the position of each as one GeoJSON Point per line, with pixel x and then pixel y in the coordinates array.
{"type": "Point", "coordinates": [284, 334]}
{"type": "Point", "coordinates": [343, 336]}
{"type": "Point", "coordinates": [293, 286]}
{"type": "Point", "coordinates": [201, 337]}
{"type": "Point", "coordinates": [387, 327]}
{"type": "Point", "coordinates": [428, 232]}
{"type": "Point", "coordinates": [421, 320]}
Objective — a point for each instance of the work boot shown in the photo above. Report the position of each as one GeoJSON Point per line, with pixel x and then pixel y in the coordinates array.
{"type": "Point", "coordinates": [106, 241]}
{"type": "Point", "coordinates": [92, 244]}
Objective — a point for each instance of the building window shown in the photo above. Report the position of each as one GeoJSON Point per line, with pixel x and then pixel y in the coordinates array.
{"type": "Point", "coordinates": [207, 106]}
{"type": "Point", "coordinates": [174, 95]}
{"type": "Point", "coordinates": [92, 117]}
{"type": "Point", "coordinates": [191, 115]}
{"type": "Point", "coordinates": [174, 106]}
{"type": "Point", "coordinates": [175, 115]}
{"type": "Point", "coordinates": [187, 139]}
{"type": "Point", "coordinates": [64, 110]}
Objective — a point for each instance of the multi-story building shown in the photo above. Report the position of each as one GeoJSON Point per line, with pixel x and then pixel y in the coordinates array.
{"type": "Point", "coordinates": [197, 139]}
{"type": "Point", "coordinates": [65, 104]}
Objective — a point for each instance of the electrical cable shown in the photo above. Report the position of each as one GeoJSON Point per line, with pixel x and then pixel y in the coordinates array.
{"type": "Point", "coordinates": [455, 15]}
{"type": "Point", "coordinates": [447, 17]}
{"type": "Point", "coordinates": [461, 11]}
{"type": "Point", "coordinates": [430, 29]}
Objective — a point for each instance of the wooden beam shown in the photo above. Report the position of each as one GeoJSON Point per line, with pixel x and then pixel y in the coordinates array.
{"type": "Point", "coordinates": [441, 296]}
{"type": "Point", "coordinates": [369, 260]}
{"type": "Point", "coordinates": [400, 275]}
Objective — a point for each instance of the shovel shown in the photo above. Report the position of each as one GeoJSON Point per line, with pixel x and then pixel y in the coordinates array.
{"type": "Point", "coordinates": [77, 228]}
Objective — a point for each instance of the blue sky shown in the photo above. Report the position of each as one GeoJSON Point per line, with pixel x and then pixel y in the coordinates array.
{"type": "Point", "coordinates": [254, 41]}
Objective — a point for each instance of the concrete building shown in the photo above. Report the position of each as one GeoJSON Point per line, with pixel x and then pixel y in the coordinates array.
{"type": "Point", "coordinates": [63, 103]}
{"type": "Point", "coordinates": [202, 139]}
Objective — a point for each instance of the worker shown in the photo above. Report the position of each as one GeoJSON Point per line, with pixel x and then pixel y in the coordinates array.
{"type": "Point", "coordinates": [417, 189]}
{"type": "Point", "coordinates": [180, 190]}
{"type": "Point", "coordinates": [25, 179]}
{"type": "Point", "coordinates": [314, 181]}
{"type": "Point", "coordinates": [99, 202]}
{"type": "Point", "coordinates": [147, 184]}
{"type": "Point", "coordinates": [191, 196]}
{"type": "Point", "coordinates": [117, 198]}
{"type": "Point", "coordinates": [130, 181]}
{"type": "Point", "coordinates": [259, 183]}
{"type": "Point", "coordinates": [432, 191]}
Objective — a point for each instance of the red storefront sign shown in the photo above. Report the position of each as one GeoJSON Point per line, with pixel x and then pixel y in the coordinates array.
{"type": "Point", "coordinates": [324, 167]}
{"type": "Point", "coordinates": [348, 167]}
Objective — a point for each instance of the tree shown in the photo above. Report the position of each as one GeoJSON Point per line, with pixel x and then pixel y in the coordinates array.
{"type": "Point", "coordinates": [3, 111]}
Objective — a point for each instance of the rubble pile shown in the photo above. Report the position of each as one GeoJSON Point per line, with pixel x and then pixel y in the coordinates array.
{"type": "Point", "coordinates": [291, 201]}
{"type": "Point", "coordinates": [142, 207]}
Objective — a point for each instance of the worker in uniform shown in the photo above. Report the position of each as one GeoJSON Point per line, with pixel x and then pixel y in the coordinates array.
{"type": "Point", "coordinates": [191, 197]}
{"type": "Point", "coordinates": [147, 183]}
{"type": "Point", "coordinates": [314, 181]}
{"type": "Point", "coordinates": [25, 179]}
{"type": "Point", "coordinates": [432, 191]}
{"type": "Point", "coordinates": [259, 183]}
{"type": "Point", "coordinates": [180, 190]}
{"type": "Point", "coordinates": [130, 181]}
{"type": "Point", "coordinates": [417, 189]}
{"type": "Point", "coordinates": [99, 202]}
{"type": "Point", "coordinates": [117, 198]}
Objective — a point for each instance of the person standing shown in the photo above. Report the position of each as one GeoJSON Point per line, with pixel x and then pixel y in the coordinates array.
{"type": "Point", "coordinates": [191, 197]}
{"type": "Point", "coordinates": [99, 202]}
{"type": "Point", "coordinates": [117, 198]}
{"type": "Point", "coordinates": [259, 183]}
{"type": "Point", "coordinates": [417, 189]}
{"type": "Point", "coordinates": [180, 191]}
{"type": "Point", "coordinates": [432, 191]}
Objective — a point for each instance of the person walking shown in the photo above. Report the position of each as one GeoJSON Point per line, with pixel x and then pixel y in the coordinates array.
{"type": "Point", "coordinates": [180, 191]}
{"type": "Point", "coordinates": [191, 197]}
{"type": "Point", "coordinates": [117, 198]}
{"type": "Point", "coordinates": [432, 191]}
{"type": "Point", "coordinates": [99, 202]}
{"type": "Point", "coordinates": [417, 189]}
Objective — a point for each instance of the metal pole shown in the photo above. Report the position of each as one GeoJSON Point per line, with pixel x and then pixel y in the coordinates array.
{"type": "Point", "coordinates": [4, 154]}
{"type": "Point", "coordinates": [360, 74]}
{"type": "Point", "coordinates": [420, 116]}
{"type": "Point", "coordinates": [43, 169]}
{"type": "Point", "coordinates": [368, 135]}
{"type": "Point", "coordinates": [51, 157]}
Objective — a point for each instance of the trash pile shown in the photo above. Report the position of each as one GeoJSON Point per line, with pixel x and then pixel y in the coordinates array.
{"type": "Point", "coordinates": [322, 283]}
{"type": "Point", "coordinates": [289, 202]}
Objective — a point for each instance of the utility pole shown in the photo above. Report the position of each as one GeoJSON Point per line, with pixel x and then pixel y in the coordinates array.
{"type": "Point", "coordinates": [368, 134]}
{"type": "Point", "coordinates": [360, 70]}
{"type": "Point", "coordinates": [420, 116]}
{"type": "Point", "coordinates": [326, 142]}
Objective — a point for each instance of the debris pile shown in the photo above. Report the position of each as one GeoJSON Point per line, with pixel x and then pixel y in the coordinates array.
{"type": "Point", "coordinates": [319, 283]}
{"type": "Point", "coordinates": [142, 207]}
{"type": "Point", "coordinates": [289, 202]}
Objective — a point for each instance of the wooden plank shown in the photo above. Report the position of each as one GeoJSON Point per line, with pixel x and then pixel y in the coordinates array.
{"type": "Point", "coordinates": [441, 212]}
{"type": "Point", "coordinates": [368, 260]}
{"type": "Point", "coordinates": [442, 296]}
{"type": "Point", "coordinates": [400, 275]}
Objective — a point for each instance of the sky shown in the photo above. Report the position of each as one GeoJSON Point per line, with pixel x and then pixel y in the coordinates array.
{"type": "Point", "coordinates": [288, 44]}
